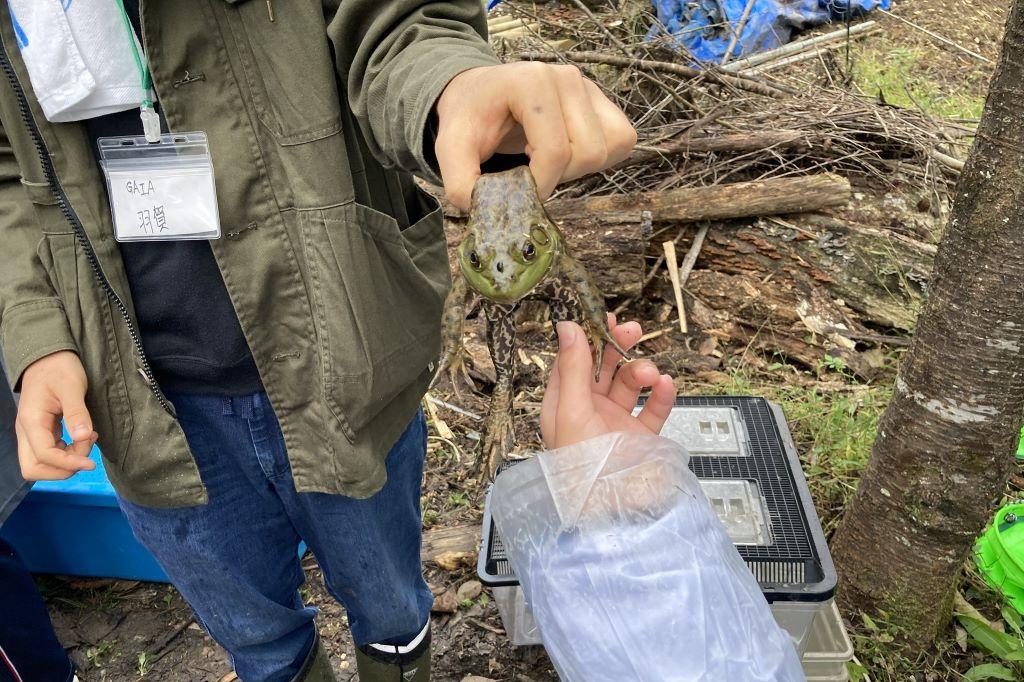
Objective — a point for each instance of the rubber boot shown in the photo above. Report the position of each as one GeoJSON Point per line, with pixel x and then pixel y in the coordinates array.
{"type": "Point", "coordinates": [317, 667]}
{"type": "Point", "coordinates": [375, 665]}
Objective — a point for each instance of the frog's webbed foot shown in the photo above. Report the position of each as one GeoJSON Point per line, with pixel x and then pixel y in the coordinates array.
{"type": "Point", "coordinates": [498, 438]}
{"type": "Point", "coordinates": [598, 337]}
{"type": "Point", "coordinates": [453, 364]}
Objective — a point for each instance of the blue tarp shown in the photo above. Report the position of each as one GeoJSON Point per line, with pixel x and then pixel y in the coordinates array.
{"type": "Point", "coordinates": [698, 26]}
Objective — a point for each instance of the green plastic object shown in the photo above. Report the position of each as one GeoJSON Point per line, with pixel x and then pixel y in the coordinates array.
{"type": "Point", "coordinates": [1020, 446]}
{"type": "Point", "coordinates": [999, 554]}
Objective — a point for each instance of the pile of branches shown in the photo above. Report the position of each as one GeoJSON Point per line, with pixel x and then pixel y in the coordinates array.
{"type": "Point", "coordinates": [700, 127]}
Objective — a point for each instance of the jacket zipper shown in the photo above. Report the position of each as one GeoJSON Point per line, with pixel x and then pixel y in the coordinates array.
{"type": "Point", "coordinates": [83, 239]}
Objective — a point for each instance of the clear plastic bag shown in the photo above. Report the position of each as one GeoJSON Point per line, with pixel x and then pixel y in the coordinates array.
{"type": "Point", "coordinates": [630, 575]}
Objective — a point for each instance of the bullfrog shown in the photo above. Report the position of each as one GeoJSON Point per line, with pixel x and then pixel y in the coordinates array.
{"type": "Point", "coordinates": [514, 252]}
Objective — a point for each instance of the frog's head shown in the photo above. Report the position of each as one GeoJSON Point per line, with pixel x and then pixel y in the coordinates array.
{"type": "Point", "coordinates": [511, 243]}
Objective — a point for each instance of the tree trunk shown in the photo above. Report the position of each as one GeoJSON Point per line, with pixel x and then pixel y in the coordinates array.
{"type": "Point", "coordinates": [943, 452]}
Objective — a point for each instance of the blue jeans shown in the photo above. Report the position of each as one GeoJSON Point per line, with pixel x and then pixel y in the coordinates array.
{"type": "Point", "coordinates": [29, 649]}
{"type": "Point", "coordinates": [234, 559]}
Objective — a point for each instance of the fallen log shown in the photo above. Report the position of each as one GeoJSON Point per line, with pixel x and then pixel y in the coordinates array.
{"type": "Point", "coordinates": [820, 290]}
{"type": "Point", "coordinates": [774, 196]}
{"type": "Point", "coordinates": [444, 540]}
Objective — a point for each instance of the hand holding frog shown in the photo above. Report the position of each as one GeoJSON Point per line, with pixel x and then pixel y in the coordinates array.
{"type": "Point", "coordinates": [576, 408]}
{"type": "Point", "coordinates": [552, 113]}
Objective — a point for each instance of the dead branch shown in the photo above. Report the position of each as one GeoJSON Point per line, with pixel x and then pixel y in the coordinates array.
{"type": "Point", "coordinates": [738, 81]}
{"type": "Point", "coordinates": [719, 202]}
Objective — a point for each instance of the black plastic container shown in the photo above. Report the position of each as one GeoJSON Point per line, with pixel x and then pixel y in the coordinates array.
{"type": "Point", "coordinates": [738, 443]}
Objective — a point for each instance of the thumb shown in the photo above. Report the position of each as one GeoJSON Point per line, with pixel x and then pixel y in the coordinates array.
{"type": "Point", "coordinates": [76, 414]}
{"type": "Point", "coordinates": [458, 157]}
{"type": "Point", "coordinates": [575, 370]}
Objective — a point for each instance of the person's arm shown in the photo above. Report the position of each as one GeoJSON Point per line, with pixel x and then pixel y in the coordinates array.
{"type": "Point", "coordinates": [394, 60]}
{"type": "Point", "coordinates": [404, 61]}
{"type": "Point", "coordinates": [35, 336]}
{"type": "Point", "coordinates": [32, 318]}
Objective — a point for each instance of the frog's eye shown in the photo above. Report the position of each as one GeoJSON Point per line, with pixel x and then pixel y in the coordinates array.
{"type": "Point", "coordinates": [474, 260]}
{"type": "Point", "coordinates": [529, 252]}
{"type": "Point", "coordinates": [540, 235]}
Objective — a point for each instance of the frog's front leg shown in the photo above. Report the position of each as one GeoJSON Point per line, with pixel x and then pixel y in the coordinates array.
{"type": "Point", "coordinates": [453, 354]}
{"type": "Point", "coordinates": [498, 434]}
{"type": "Point", "coordinates": [593, 310]}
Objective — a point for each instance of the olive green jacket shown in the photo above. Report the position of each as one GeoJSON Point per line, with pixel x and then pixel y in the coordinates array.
{"type": "Point", "coordinates": [335, 262]}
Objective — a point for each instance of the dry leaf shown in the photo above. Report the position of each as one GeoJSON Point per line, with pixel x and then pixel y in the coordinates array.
{"type": "Point", "coordinates": [451, 561]}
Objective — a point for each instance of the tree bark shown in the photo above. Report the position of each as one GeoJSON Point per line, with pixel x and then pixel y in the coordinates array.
{"type": "Point", "coordinates": [943, 452]}
{"type": "Point", "coordinates": [775, 196]}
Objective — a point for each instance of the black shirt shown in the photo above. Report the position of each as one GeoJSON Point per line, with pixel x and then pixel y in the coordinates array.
{"type": "Point", "coordinates": [189, 328]}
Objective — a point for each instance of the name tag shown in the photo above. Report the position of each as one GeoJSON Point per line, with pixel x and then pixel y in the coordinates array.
{"type": "Point", "coordinates": [163, 190]}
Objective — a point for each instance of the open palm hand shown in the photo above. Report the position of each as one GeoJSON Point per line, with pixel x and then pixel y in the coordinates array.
{"type": "Point", "coordinates": [576, 408]}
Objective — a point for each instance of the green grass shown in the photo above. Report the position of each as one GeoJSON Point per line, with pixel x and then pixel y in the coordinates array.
{"type": "Point", "coordinates": [902, 75]}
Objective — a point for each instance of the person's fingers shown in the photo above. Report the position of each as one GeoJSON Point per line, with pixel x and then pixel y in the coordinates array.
{"type": "Point", "coordinates": [626, 335]}
{"type": "Point", "coordinates": [630, 380]}
{"type": "Point", "coordinates": [659, 404]}
{"type": "Point", "coordinates": [537, 107]}
{"type": "Point", "coordinates": [31, 468]}
{"type": "Point", "coordinates": [458, 158]}
{"type": "Point", "coordinates": [76, 415]}
{"type": "Point", "coordinates": [575, 373]}
{"type": "Point", "coordinates": [83, 446]}
{"type": "Point", "coordinates": [619, 133]}
{"type": "Point", "coordinates": [582, 124]}
{"type": "Point", "coordinates": [37, 425]}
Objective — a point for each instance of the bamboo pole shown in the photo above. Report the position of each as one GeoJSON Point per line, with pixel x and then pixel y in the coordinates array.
{"type": "Point", "coordinates": [673, 274]}
{"type": "Point", "coordinates": [798, 46]}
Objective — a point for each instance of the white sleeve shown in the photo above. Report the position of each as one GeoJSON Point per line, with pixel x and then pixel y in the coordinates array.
{"type": "Point", "coordinates": [629, 572]}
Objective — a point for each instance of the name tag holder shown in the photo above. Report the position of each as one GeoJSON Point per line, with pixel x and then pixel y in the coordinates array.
{"type": "Point", "coordinates": [160, 190]}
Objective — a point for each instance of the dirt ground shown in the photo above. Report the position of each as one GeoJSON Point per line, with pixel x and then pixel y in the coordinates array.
{"type": "Point", "coordinates": [125, 630]}
{"type": "Point", "coordinates": [121, 630]}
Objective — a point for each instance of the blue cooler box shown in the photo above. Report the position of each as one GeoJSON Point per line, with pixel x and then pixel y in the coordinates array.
{"type": "Point", "coordinates": [75, 527]}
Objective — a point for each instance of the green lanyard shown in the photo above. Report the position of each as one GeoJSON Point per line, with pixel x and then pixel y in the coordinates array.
{"type": "Point", "coordinates": [150, 119]}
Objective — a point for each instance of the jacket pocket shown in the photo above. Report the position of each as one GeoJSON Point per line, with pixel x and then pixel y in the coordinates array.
{"type": "Point", "coordinates": [378, 293]}
{"type": "Point", "coordinates": [280, 59]}
{"type": "Point", "coordinates": [91, 322]}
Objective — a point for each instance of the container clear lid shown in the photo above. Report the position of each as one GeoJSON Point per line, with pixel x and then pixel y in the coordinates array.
{"type": "Point", "coordinates": [708, 431]}
{"type": "Point", "coordinates": [741, 509]}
